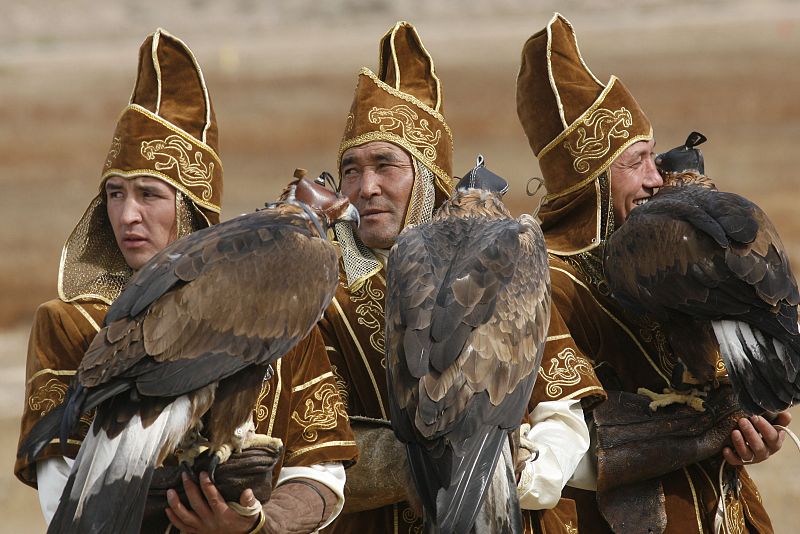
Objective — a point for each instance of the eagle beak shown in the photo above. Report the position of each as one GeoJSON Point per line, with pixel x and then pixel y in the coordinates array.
{"type": "Point", "coordinates": [350, 215]}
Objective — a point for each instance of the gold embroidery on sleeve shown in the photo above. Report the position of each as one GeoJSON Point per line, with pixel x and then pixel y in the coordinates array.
{"type": "Point", "coordinates": [564, 370]}
{"type": "Point", "coordinates": [341, 385]}
{"type": "Point", "coordinates": [47, 396]}
{"type": "Point", "coordinates": [324, 417]}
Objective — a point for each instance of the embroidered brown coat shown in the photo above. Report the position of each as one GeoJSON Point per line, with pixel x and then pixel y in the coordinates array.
{"type": "Point", "coordinates": [300, 404]}
{"type": "Point", "coordinates": [353, 329]}
{"type": "Point", "coordinates": [628, 352]}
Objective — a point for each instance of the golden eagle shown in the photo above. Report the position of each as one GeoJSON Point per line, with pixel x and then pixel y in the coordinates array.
{"type": "Point", "coordinates": [191, 338]}
{"type": "Point", "coordinates": [467, 311]}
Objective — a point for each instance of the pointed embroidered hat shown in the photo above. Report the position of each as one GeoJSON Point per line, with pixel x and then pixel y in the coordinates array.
{"type": "Point", "coordinates": [168, 131]}
{"type": "Point", "coordinates": [402, 104]}
{"type": "Point", "coordinates": [576, 126]}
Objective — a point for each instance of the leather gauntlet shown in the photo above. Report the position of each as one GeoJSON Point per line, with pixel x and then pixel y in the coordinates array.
{"type": "Point", "coordinates": [381, 476]}
{"type": "Point", "coordinates": [635, 446]}
{"type": "Point", "coordinates": [251, 468]}
{"type": "Point", "coordinates": [634, 443]}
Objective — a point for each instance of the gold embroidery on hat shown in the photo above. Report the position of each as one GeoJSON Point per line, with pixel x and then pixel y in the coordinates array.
{"type": "Point", "coordinates": [324, 417]}
{"type": "Point", "coordinates": [113, 152]}
{"type": "Point", "coordinates": [564, 370]}
{"type": "Point", "coordinates": [175, 149]}
{"type": "Point", "coordinates": [47, 396]}
{"type": "Point", "coordinates": [412, 129]}
{"type": "Point", "coordinates": [605, 125]}
{"type": "Point", "coordinates": [349, 124]}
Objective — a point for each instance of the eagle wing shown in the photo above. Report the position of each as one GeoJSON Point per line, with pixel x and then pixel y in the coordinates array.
{"type": "Point", "coordinates": [193, 333]}
{"type": "Point", "coordinates": [694, 258]}
{"type": "Point", "coordinates": [467, 313]}
{"type": "Point", "coordinates": [221, 305]}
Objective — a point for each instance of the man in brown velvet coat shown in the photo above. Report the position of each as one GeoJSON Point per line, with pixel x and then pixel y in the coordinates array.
{"type": "Point", "coordinates": [595, 149]}
{"type": "Point", "coordinates": [162, 179]}
{"type": "Point", "coordinates": [395, 166]}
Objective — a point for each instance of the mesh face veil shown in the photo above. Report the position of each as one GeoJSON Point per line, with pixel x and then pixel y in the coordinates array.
{"type": "Point", "coordinates": [359, 261]}
{"type": "Point", "coordinates": [168, 131]}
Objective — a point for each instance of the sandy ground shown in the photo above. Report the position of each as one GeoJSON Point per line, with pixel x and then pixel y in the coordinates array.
{"type": "Point", "coordinates": [281, 76]}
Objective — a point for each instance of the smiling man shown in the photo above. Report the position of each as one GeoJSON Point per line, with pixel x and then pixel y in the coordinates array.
{"type": "Point", "coordinates": [595, 149]}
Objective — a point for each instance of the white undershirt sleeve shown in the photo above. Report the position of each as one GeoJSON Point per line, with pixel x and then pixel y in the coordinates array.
{"type": "Point", "coordinates": [561, 437]}
{"type": "Point", "coordinates": [51, 478]}
{"type": "Point", "coordinates": [330, 474]}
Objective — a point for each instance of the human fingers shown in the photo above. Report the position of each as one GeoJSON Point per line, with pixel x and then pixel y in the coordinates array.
{"type": "Point", "coordinates": [196, 500]}
{"type": "Point", "coordinates": [771, 436]}
{"type": "Point", "coordinates": [215, 500]}
{"type": "Point", "coordinates": [180, 516]}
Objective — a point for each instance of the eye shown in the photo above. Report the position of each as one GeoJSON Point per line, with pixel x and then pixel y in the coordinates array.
{"type": "Point", "coordinates": [350, 173]}
{"type": "Point", "coordinates": [113, 194]}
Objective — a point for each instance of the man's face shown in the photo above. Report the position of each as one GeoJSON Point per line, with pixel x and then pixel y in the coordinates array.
{"type": "Point", "coordinates": [142, 214]}
{"type": "Point", "coordinates": [377, 178]}
{"type": "Point", "coordinates": [634, 178]}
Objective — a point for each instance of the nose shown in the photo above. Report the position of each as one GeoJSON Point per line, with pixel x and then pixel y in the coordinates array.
{"type": "Point", "coordinates": [652, 177]}
{"type": "Point", "coordinates": [370, 183]}
{"type": "Point", "coordinates": [131, 211]}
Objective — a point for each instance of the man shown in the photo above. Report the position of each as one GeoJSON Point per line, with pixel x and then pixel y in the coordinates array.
{"type": "Point", "coordinates": [162, 180]}
{"type": "Point", "coordinates": [395, 167]}
{"type": "Point", "coordinates": [595, 149]}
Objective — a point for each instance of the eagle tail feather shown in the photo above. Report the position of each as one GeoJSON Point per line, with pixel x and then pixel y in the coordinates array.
{"type": "Point", "coordinates": [759, 368]}
{"type": "Point", "coordinates": [458, 504]}
{"type": "Point", "coordinates": [115, 473]}
{"type": "Point", "coordinates": [500, 512]}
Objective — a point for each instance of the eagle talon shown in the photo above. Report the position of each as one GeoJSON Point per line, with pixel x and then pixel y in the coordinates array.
{"type": "Point", "coordinates": [186, 467]}
{"type": "Point", "coordinates": [694, 398]}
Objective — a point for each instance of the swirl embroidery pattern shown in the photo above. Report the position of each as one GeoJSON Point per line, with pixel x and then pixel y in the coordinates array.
{"type": "Point", "coordinates": [323, 418]}
{"type": "Point", "coordinates": [564, 370]}
{"type": "Point", "coordinates": [369, 308]}
{"type": "Point", "coordinates": [176, 151]}
{"type": "Point", "coordinates": [261, 412]}
{"type": "Point", "coordinates": [405, 119]}
{"type": "Point", "coordinates": [48, 396]}
{"type": "Point", "coordinates": [605, 125]}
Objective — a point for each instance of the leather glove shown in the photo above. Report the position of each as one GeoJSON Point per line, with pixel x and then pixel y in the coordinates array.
{"type": "Point", "coordinates": [381, 476]}
{"type": "Point", "coordinates": [634, 443]}
{"type": "Point", "coordinates": [251, 468]}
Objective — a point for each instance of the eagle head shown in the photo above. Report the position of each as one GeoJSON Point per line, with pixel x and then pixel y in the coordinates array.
{"type": "Point", "coordinates": [683, 158]}
{"type": "Point", "coordinates": [318, 202]}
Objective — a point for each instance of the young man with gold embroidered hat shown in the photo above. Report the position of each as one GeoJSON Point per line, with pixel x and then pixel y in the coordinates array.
{"type": "Point", "coordinates": [395, 164]}
{"type": "Point", "coordinates": [162, 180]}
{"type": "Point", "coordinates": [595, 149]}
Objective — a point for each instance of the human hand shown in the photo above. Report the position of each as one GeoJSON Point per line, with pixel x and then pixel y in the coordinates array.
{"type": "Point", "coordinates": [208, 512]}
{"type": "Point", "coordinates": [756, 439]}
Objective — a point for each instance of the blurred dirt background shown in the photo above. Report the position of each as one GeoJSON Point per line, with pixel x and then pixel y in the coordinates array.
{"type": "Point", "coordinates": [281, 76]}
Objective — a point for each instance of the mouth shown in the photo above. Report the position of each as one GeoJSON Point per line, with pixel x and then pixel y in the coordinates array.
{"type": "Point", "coordinates": [134, 241]}
{"type": "Point", "coordinates": [371, 213]}
{"type": "Point", "coordinates": [641, 201]}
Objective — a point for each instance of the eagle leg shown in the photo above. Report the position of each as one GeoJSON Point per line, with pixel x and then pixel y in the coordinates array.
{"type": "Point", "coordinates": [244, 437]}
{"type": "Point", "coordinates": [191, 446]}
{"type": "Point", "coordinates": [693, 398]}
